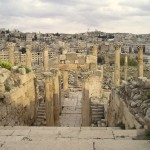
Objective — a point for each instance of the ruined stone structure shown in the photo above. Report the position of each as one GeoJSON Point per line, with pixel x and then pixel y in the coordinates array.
{"type": "Point", "coordinates": [49, 99]}
{"type": "Point", "coordinates": [129, 105]}
{"type": "Point", "coordinates": [117, 64]}
{"type": "Point", "coordinates": [28, 56]}
{"type": "Point", "coordinates": [56, 95]}
{"type": "Point", "coordinates": [11, 47]}
{"type": "Point", "coordinates": [86, 120]}
{"type": "Point", "coordinates": [76, 78]}
{"type": "Point", "coordinates": [18, 98]}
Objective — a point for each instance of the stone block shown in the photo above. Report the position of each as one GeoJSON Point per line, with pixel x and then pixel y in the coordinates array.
{"type": "Point", "coordinates": [67, 62]}
{"type": "Point", "coordinates": [81, 60]}
{"type": "Point", "coordinates": [93, 66]}
{"type": "Point", "coordinates": [71, 56]}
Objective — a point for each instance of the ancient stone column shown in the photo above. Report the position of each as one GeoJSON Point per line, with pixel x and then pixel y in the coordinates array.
{"type": "Point", "coordinates": [65, 80]}
{"type": "Point", "coordinates": [85, 102]}
{"type": "Point", "coordinates": [60, 104]}
{"type": "Point", "coordinates": [56, 95]}
{"type": "Point", "coordinates": [117, 65]}
{"type": "Point", "coordinates": [125, 67]}
{"type": "Point", "coordinates": [36, 97]}
{"type": "Point", "coordinates": [11, 54]}
{"type": "Point", "coordinates": [46, 58]}
{"type": "Point", "coordinates": [49, 98]}
{"type": "Point", "coordinates": [113, 78]}
{"type": "Point", "coordinates": [28, 56]}
{"type": "Point", "coordinates": [140, 61]}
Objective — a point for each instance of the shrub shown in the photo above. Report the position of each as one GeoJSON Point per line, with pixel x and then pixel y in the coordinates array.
{"type": "Point", "coordinates": [6, 65]}
{"type": "Point", "coordinates": [27, 69]}
{"type": "Point", "coordinates": [147, 135]}
{"type": "Point", "coordinates": [122, 61]}
{"type": "Point", "coordinates": [7, 88]}
{"type": "Point", "coordinates": [131, 61]}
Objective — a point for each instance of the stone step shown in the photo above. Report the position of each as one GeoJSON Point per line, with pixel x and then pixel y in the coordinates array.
{"type": "Point", "coordinates": [97, 113]}
{"type": "Point", "coordinates": [40, 120]}
{"type": "Point", "coordinates": [95, 120]}
{"type": "Point", "coordinates": [97, 116]}
{"type": "Point", "coordinates": [42, 104]}
{"type": "Point", "coordinates": [97, 107]}
{"type": "Point", "coordinates": [41, 113]}
{"type": "Point", "coordinates": [97, 110]}
{"type": "Point", "coordinates": [41, 116]}
{"type": "Point", "coordinates": [42, 108]}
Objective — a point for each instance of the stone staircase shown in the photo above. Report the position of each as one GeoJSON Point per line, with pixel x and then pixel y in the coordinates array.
{"type": "Point", "coordinates": [41, 115]}
{"type": "Point", "coordinates": [97, 115]}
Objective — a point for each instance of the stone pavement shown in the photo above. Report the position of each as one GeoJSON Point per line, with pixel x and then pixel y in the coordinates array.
{"type": "Point", "coordinates": [71, 113]}
{"type": "Point", "coordinates": [69, 138]}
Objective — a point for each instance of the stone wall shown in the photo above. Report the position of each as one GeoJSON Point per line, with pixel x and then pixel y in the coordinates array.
{"type": "Point", "coordinates": [18, 98]}
{"type": "Point", "coordinates": [74, 61]}
{"type": "Point", "coordinates": [95, 88]}
{"type": "Point", "coordinates": [130, 104]}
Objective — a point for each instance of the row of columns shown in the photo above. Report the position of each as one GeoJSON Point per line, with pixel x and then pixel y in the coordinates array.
{"type": "Point", "coordinates": [29, 56]}
{"type": "Point", "coordinates": [116, 74]}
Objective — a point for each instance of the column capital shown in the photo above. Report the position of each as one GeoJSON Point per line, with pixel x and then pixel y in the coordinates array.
{"type": "Point", "coordinates": [10, 44]}
{"type": "Point", "coordinates": [139, 47]}
{"type": "Point", "coordinates": [45, 47]}
{"type": "Point", "coordinates": [117, 46]}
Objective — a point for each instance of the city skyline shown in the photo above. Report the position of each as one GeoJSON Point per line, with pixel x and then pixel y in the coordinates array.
{"type": "Point", "coordinates": [76, 16]}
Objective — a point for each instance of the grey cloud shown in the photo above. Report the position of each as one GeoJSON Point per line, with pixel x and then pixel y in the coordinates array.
{"type": "Point", "coordinates": [95, 13]}
{"type": "Point", "coordinates": [140, 4]}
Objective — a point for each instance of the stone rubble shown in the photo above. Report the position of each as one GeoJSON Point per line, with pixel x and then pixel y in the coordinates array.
{"type": "Point", "coordinates": [136, 95]}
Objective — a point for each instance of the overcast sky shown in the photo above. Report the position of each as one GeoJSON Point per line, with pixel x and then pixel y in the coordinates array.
{"type": "Point", "coordinates": [74, 16]}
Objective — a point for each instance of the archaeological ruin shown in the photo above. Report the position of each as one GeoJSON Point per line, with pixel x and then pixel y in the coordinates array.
{"type": "Point", "coordinates": [72, 92]}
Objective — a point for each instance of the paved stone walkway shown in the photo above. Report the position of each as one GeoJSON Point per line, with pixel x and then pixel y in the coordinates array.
{"type": "Point", "coordinates": [69, 138]}
{"type": "Point", "coordinates": [71, 113]}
